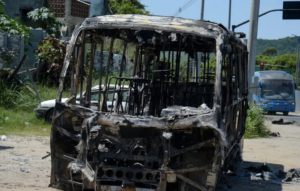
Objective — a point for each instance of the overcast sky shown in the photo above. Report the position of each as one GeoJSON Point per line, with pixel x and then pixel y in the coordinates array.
{"type": "Point", "coordinates": [271, 26]}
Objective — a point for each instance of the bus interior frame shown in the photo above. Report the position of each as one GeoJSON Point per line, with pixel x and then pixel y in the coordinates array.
{"type": "Point", "coordinates": [174, 133]}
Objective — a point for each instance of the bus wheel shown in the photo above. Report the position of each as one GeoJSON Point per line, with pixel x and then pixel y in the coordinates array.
{"type": "Point", "coordinates": [271, 113]}
{"type": "Point", "coordinates": [285, 113]}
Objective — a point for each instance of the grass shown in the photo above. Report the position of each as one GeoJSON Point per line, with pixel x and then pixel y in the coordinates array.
{"type": "Point", "coordinates": [22, 111]}
{"type": "Point", "coordinates": [22, 120]}
{"type": "Point", "coordinates": [15, 125]}
{"type": "Point", "coordinates": [255, 126]}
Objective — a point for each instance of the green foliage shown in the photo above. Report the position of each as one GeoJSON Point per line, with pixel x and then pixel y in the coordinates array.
{"type": "Point", "coordinates": [212, 64]}
{"type": "Point", "coordinates": [12, 26]}
{"type": "Point", "coordinates": [12, 96]}
{"type": "Point", "coordinates": [8, 95]}
{"type": "Point", "coordinates": [16, 125]}
{"type": "Point", "coordinates": [282, 45]}
{"type": "Point", "coordinates": [128, 7]}
{"type": "Point", "coordinates": [18, 107]}
{"type": "Point", "coordinates": [7, 56]}
{"type": "Point", "coordinates": [287, 60]}
{"type": "Point", "coordinates": [255, 126]}
{"type": "Point", "coordinates": [51, 49]}
{"type": "Point", "coordinates": [271, 51]}
{"type": "Point", "coordinates": [47, 20]}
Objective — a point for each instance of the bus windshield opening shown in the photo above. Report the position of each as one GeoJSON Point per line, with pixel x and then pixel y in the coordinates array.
{"type": "Point", "coordinates": [277, 89]}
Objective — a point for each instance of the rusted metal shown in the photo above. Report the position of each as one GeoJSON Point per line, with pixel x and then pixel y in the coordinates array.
{"type": "Point", "coordinates": [158, 127]}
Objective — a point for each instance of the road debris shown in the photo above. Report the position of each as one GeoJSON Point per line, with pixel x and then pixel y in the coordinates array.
{"type": "Point", "coordinates": [25, 170]}
{"type": "Point", "coordinates": [274, 134]}
{"type": "Point", "coordinates": [3, 138]}
{"type": "Point", "coordinates": [265, 176]}
{"type": "Point", "coordinates": [281, 122]}
{"type": "Point", "coordinates": [263, 167]}
{"type": "Point", "coordinates": [292, 174]}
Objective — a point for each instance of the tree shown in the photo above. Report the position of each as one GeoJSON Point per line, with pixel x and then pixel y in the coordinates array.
{"type": "Point", "coordinates": [12, 26]}
{"type": "Point", "coordinates": [282, 45]}
{"type": "Point", "coordinates": [128, 7]}
{"type": "Point", "coordinates": [47, 20]}
{"type": "Point", "coordinates": [288, 61]}
{"type": "Point", "coordinates": [271, 51]}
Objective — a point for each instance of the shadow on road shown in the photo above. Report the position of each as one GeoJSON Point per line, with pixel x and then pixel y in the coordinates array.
{"type": "Point", "coordinates": [4, 148]}
{"type": "Point", "coordinates": [254, 176]}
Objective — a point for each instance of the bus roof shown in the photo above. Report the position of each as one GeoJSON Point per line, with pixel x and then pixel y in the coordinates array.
{"type": "Point", "coordinates": [160, 23]}
{"type": "Point", "coordinates": [273, 74]}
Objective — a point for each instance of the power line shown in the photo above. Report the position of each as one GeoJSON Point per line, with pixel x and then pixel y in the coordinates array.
{"type": "Point", "coordinates": [181, 6]}
{"type": "Point", "coordinates": [184, 7]}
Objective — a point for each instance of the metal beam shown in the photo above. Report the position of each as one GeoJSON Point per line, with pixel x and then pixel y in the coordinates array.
{"type": "Point", "coordinates": [236, 26]}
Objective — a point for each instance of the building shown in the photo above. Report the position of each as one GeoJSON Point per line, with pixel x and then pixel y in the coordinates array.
{"type": "Point", "coordinates": [69, 12]}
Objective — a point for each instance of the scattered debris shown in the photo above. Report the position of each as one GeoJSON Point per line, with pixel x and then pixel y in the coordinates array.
{"type": "Point", "coordinates": [1, 128]}
{"type": "Point", "coordinates": [48, 154]}
{"type": "Point", "coordinates": [281, 122]}
{"type": "Point", "coordinates": [275, 134]}
{"type": "Point", "coordinates": [230, 173]}
{"type": "Point", "coordinates": [6, 118]}
{"type": "Point", "coordinates": [15, 154]}
{"type": "Point", "coordinates": [3, 138]}
{"type": "Point", "coordinates": [20, 159]}
{"type": "Point", "coordinates": [266, 176]}
{"type": "Point", "coordinates": [264, 167]}
{"type": "Point", "coordinates": [292, 174]}
{"type": "Point", "coordinates": [25, 170]}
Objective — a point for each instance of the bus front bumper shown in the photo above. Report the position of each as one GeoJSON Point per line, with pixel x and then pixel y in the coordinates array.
{"type": "Point", "coordinates": [279, 108]}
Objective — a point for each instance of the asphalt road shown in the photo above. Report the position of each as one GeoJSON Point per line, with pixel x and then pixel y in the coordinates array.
{"type": "Point", "coordinates": [293, 116]}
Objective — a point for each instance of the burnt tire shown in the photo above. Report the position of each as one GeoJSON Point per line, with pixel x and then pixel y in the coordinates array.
{"type": "Point", "coordinates": [49, 116]}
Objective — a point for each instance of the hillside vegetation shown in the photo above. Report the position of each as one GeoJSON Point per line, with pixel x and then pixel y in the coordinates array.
{"type": "Point", "coordinates": [282, 45]}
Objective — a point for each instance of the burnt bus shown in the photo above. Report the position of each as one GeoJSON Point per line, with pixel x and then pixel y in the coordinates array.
{"type": "Point", "coordinates": [163, 121]}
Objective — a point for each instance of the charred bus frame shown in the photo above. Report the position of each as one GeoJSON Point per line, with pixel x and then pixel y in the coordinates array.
{"type": "Point", "coordinates": [174, 132]}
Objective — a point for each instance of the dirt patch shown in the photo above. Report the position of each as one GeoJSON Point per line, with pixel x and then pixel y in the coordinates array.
{"type": "Point", "coordinates": [280, 153]}
{"type": "Point", "coordinates": [21, 164]}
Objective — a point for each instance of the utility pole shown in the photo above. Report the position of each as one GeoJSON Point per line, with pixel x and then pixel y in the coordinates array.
{"type": "Point", "coordinates": [251, 45]}
{"type": "Point", "coordinates": [199, 53]}
{"type": "Point", "coordinates": [229, 16]}
{"type": "Point", "coordinates": [202, 10]}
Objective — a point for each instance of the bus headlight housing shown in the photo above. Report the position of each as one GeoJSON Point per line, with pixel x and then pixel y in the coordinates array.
{"type": "Point", "coordinates": [292, 103]}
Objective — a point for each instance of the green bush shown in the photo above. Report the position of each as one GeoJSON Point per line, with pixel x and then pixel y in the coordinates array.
{"type": "Point", "coordinates": [8, 95]}
{"type": "Point", "coordinates": [255, 126]}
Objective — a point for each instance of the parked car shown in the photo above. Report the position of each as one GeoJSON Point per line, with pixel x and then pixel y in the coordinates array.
{"type": "Point", "coordinates": [46, 108]}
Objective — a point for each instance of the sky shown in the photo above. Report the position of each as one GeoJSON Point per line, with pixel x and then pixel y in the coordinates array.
{"type": "Point", "coordinates": [270, 26]}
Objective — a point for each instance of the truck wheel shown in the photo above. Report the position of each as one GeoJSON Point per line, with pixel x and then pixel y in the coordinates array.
{"type": "Point", "coordinates": [285, 113]}
{"type": "Point", "coordinates": [49, 116]}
